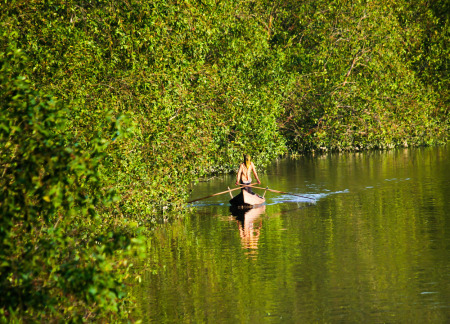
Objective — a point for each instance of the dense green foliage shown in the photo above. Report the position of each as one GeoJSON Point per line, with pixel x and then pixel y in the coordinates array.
{"type": "Point", "coordinates": [55, 248]}
{"type": "Point", "coordinates": [364, 79]}
{"type": "Point", "coordinates": [155, 94]}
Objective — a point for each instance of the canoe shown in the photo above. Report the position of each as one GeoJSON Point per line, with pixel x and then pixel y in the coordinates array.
{"type": "Point", "coordinates": [247, 200]}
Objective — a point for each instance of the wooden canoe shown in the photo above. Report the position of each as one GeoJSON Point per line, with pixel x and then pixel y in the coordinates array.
{"type": "Point", "coordinates": [247, 200]}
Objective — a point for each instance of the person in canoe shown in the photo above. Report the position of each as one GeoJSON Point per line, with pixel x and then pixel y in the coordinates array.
{"type": "Point", "coordinates": [244, 173]}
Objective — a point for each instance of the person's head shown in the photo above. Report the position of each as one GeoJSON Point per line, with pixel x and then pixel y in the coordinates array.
{"type": "Point", "coordinates": [247, 160]}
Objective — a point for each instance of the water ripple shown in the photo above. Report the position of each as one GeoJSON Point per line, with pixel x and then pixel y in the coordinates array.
{"type": "Point", "coordinates": [313, 197]}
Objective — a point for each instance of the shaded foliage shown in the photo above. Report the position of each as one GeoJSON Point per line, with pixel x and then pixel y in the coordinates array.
{"type": "Point", "coordinates": [359, 76]}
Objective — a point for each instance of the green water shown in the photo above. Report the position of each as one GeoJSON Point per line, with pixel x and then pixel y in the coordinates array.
{"type": "Point", "coordinates": [374, 247]}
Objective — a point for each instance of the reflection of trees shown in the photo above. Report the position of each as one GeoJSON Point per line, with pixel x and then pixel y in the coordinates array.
{"type": "Point", "coordinates": [249, 226]}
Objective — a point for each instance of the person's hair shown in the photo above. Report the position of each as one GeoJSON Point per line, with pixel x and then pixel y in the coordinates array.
{"type": "Point", "coordinates": [247, 160]}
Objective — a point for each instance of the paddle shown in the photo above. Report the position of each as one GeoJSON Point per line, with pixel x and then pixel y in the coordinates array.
{"type": "Point", "coordinates": [282, 192]}
{"type": "Point", "coordinates": [221, 193]}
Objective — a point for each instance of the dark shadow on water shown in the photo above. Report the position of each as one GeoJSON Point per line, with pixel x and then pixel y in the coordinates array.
{"type": "Point", "coordinates": [241, 213]}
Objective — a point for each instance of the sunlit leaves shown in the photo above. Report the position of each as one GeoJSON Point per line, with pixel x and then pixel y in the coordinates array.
{"type": "Point", "coordinates": [52, 253]}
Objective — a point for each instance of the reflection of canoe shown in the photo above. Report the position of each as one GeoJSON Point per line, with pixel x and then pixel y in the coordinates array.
{"type": "Point", "coordinates": [247, 200]}
{"type": "Point", "coordinates": [247, 215]}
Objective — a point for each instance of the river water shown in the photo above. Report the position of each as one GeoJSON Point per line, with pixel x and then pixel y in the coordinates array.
{"type": "Point", "coordinates": [373, 245]}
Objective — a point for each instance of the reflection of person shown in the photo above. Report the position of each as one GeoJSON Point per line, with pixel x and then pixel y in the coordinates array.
{"type": "Point", "coordinates": [244, 173]}
{"type": "Point", "coordinates": [249, 232]}
{"type": "Point", "coordinates": [250, 224]}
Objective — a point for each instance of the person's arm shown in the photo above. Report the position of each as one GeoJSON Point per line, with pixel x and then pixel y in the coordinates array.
{"type": "Point", "coordinates": [239, 175]}
{"type": "Point", "coordinates": [254, 172]}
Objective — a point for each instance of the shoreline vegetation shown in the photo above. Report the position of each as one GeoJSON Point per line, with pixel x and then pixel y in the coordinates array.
{"type": "Point", "coordinates": [110, 109]}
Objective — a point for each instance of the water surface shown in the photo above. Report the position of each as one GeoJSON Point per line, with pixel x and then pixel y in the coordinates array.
{"type": "Point", "coordinates": [374, 247]}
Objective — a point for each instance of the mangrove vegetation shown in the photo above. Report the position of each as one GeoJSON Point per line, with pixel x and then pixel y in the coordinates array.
{"type": "Point", "coordinates": [110, 109]}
